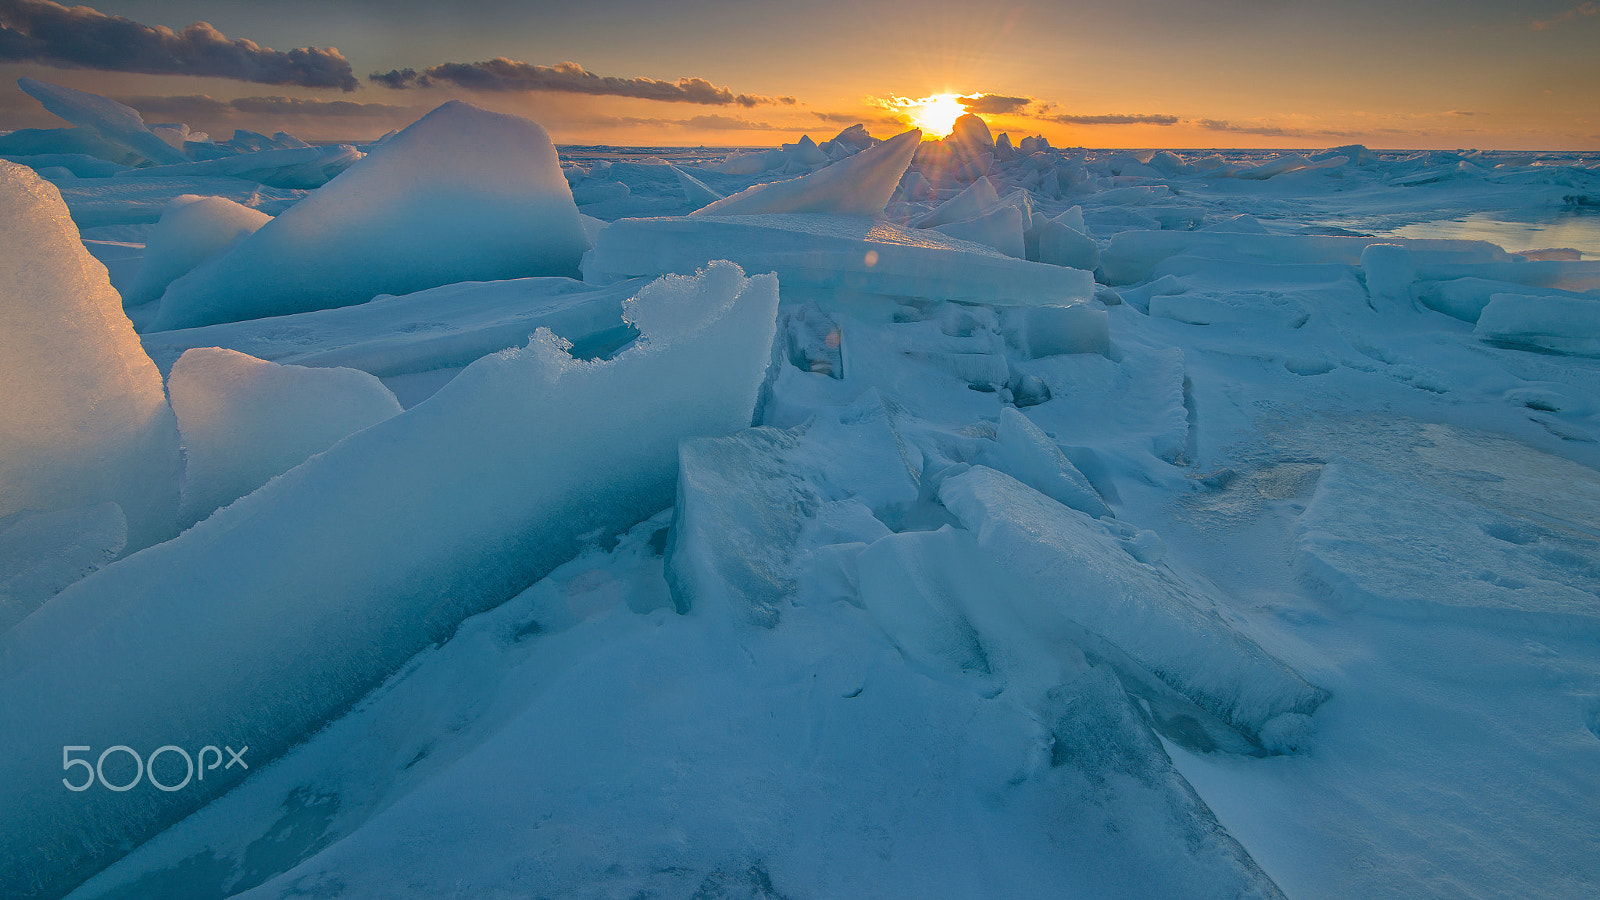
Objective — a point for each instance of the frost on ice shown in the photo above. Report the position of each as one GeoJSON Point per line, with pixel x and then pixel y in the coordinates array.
{"type": "Point", "coordinates": [86, 419]}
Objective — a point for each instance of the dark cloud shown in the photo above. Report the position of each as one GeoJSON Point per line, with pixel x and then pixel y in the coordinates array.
{"type": "Point", "coordinates": [1246, 128]}
{"type": "Point", "coordinates": [857, 118]}
{"type": "Point", "coordinates": [1268, 130]}
{"type": "Point", "coordinates": [1582, 9]}
{"type": "Point", "coordinates": [501, 74]}
{"type": "Point", "coordinates": [297, 106]}
{"type": "Point", "coordinates": [398, 79]}
{"type": "Point", "coordinates": [995, 104]}
{"type": "Point", "coordinates": [1113, 119]}
{"type": "Point", "coordinates": [78, 37]}
{"type": "Point", "coordinates": [728, 123]}
{"type": "Point", "coordinates": [199, 106]}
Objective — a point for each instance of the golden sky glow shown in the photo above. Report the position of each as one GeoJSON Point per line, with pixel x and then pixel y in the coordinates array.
{"type": "Point", "coordinates": [936, 115]}
{"type": "Point", "coordinates": [1140, 73]}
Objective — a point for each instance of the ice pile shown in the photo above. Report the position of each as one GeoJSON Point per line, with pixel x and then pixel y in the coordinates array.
{"type": "Point", "coordinates": [859, 185]}
{"type": "Point", "coordinates": [1079, 524]}
{"type": "Point", "coordinates": [220, 635]}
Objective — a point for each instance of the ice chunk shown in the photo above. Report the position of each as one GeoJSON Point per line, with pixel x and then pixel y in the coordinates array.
{"type": "Point", "coordinates": [258, 624]}
{"type": "Point", "coordinates": [738, 514]}
{"type": "Point", "coordinates": [76, 141]}
{"type": "Point", "coordinates": [972, 133]}
{"type": "Point", "coordinates": [1041, 331]}
{"type": "Point", "coordinates": [1389, 271]}
{"type": "Point", "coordinates": [1062, 245]}
{"type": "Point", "coordinates": [115, 123]}
{"type": "Point", "coordinates": [1000, 228]}
{"type": "Point", "coordinates": [244, 420]}
{"type": "Point", "coordinates": [440, 328]}
{"type": "Point", "coordinates": [462, 194]}
{"type": "Point", "coordinates": [43, 553]}
{"type": "Point", "coordinates": [1167, 625]}
{"type": "Point", "coordinates": [588, 192]}
{"type": "Point", "coordinates": [695, 191]}
{"type": "Point", "coordinates": [833, 257]}
{"type": "Point", "coordinates": [859, 185]}
{"type": "Point", "coordinates": [1027, 454]}
{"type": "Point", "coordinates": [744, 502]}
{"type": "Point", "coordinates": [1465, 298]}
{"type": "Point", "coordinates": [1133, 254]}
{"type": "Point", "coordinates": [300, 168]}
{"type": "Point", "coordinates": [86, 419]}
{"type": "Point", "coordinates": [99, 202]}
{"type": "Point", "coordinates": [1543, 322]}
{"type": "Point", "coordinates": [975, 200]}
{"type": "Point", "coordinates": [81, 165]}
{"type": "Point", "coordinates": [191, 229]}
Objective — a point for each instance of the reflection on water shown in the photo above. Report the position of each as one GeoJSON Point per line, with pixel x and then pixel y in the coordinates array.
{"type": "Point", "coordinates": [1575, 229]}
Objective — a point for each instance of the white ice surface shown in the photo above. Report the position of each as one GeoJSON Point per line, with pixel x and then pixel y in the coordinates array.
{"type": "Point", "coordinates": [1391, 505]}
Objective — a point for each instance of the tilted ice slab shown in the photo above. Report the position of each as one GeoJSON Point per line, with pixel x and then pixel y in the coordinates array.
{"type": "Point", "coordinates": [462, 194]}
{"type": "Point", "coordinates": [829, 256]}
{"type": "Point", "coordinates": [440, 328]}
{"type": "Point", "coordinates": [117, 124]}
{"type": "Point", "coordinates": [1542, 322]}
{"type": "Point", "coordinates": [662, 755]}
{"type": "Point", "coordinates": [751, 504]}
{"type": "Point", "coordinates": [1132, 255]}
{"type": "Point", "coordinates": [192, 228]}
{"type": "Point", "coordinates": [245, 421]}
{"type": "Point", "coordinates": [86, 419]}
{"type": "Point", "coordinates": [303, 168]}
{"type": "Point", "coordinates": [1402, 547]}
{"type": "Point", "coordinates": [858, 185]}
{"type": "Point", "coordinates": [1166, 625]}
{"type": "Point", "coordinates": [43, 553]}
{"type": "Point", "coordinates": [260, 623]}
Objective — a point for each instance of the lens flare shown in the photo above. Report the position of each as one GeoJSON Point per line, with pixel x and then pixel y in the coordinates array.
{"type": "Point", "coordinates": [936, 115]}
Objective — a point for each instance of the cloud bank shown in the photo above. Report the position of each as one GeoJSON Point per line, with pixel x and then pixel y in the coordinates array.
{"type": "Point", "coordinates": [508, 75]}
{"type": "Point", "coordinates": [194, 106]}
{"type": "Point", "coordinates": [78, 37]}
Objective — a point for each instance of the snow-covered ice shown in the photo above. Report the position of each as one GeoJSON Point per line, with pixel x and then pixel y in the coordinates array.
{"type": "Point", "coordinates": [1019, 522]}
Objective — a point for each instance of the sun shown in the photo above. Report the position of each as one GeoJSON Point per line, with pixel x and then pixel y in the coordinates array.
{"type": "Point", "coordinates": [935, 115]}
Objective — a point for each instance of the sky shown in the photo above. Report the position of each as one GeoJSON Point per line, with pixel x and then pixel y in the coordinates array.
{"type": "Point", "coordinates": [1138, 73]}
